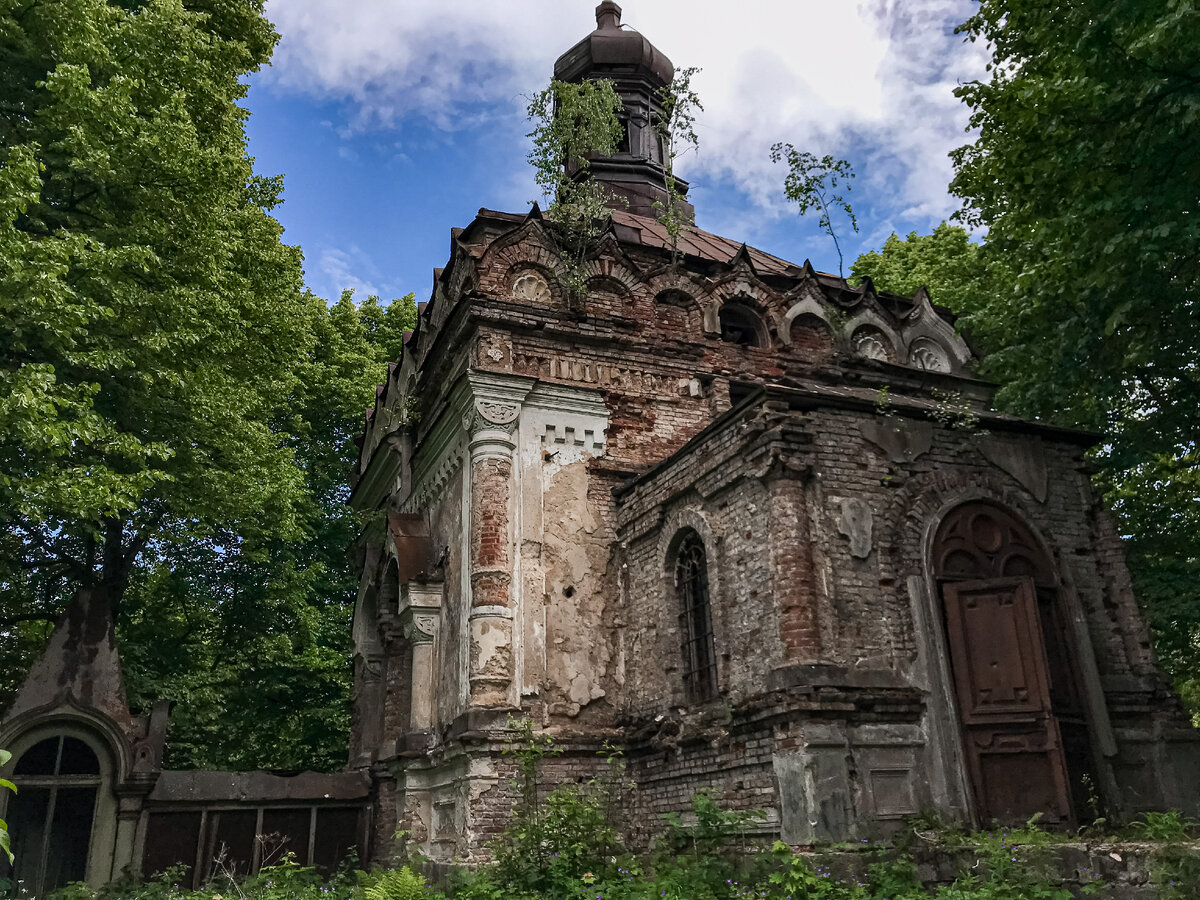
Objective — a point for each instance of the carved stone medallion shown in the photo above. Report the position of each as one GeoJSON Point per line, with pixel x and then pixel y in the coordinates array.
{"type": "Point", "coordinates": [532, 287]}
{"type": "Point", "coordinates": [929, 356]}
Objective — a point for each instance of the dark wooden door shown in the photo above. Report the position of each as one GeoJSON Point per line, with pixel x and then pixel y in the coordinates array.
{"type": "Point", "coordinates": [1002, 681]}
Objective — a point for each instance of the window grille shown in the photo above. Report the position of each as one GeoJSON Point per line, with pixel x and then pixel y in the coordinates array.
{"type": "Point", "coordinates": [695, 620]}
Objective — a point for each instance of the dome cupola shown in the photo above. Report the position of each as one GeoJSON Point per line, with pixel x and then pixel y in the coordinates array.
{"type": "Point", "coordinates": [639, 72]}
{"type": "Point", "coordinates": [612, 51]}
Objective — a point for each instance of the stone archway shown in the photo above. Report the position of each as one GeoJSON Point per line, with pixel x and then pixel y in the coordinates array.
{"type": "Point", "coordinates": [1014, 668]}
{"type": "Point", "coordinates": [63, 815]}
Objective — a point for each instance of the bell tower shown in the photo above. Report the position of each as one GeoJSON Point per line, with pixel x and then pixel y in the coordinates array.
{"type": "Point", "coordinates": [639, 71]}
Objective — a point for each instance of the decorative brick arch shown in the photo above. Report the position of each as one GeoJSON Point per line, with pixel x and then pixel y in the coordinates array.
{"type": "Point", "coordinates": [742, 286]}
{"type": "Point", "coordinates": [924, 324]}
{"type": "Point", "coordinates": [615, 270]}
{"type": "Point", "coordinates": [915, 519]}
{"type": "Point", "coordinates": [917, 510]}
{"type": "Point", "coordinates": [674, 523]}
{"type": "Point", "coordinates": [805, 306]}
{"type": "Point", "coordinates": [526, 246]}
{"type": "Point", "coordinates": [868, 318]}
{"type": "Point", "coordinates": [674, 307]}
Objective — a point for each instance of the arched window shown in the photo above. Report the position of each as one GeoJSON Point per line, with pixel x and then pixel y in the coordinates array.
{"type": "Point", "coordinates": [51, 816]}
{"type": "Point", "coordinates": [695, 619]}
{"type": "Point", "coordinates": [740, 325]}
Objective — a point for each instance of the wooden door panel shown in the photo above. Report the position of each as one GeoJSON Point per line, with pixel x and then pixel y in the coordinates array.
{"type": "Point", "coordinates": [1017, 785]}
{"type": "Point", "coordinates": [998, 658]}
{"type": "Point", "coordinates": [996, 649]}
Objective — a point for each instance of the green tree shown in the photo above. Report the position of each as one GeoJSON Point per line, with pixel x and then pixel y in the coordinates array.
{"type": "Point", "coordinates": [818, 183]}
{"type": "Point", "coordinates": [150, 316]}
{"type": "Point", "coordinates": [572, 122]}
{"type": "Point", "coordinates": [5, 785]}
{"type": "Point", "coordinates": [250, 636]}
{"type": "Point", "coordinates": [946, 262]}
{"type": "Point", "coordinates": [676, 128]}
{"type": "Point", "coordinates": [387, 325]}
{"type": "Point", "coordinates": [1085, 175]}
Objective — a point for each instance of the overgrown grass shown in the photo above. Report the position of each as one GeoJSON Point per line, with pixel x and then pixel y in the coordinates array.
{"type": "Point", "coordinates": [566, 844]}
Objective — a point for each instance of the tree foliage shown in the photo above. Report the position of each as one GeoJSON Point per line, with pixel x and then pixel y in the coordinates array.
{"type": "Point", "coordinates": [946, 262]}
{"type": "Point", "coordinates": [150, 315]}
{"type": "Point", "coordinates": [1085, 175]}
{"type": "Point", "coordinates": [819, 183]}
{"type": "Point", "coordinates": [676, 129]}
{"type": "Point", "coordinates": [571, 123]}
{"type": "Point", "coordinates": [5, 785]}
{"type": "Point", "coordinates": [250, 636]}
{"type": "Point", "coordinates": [176, 414]}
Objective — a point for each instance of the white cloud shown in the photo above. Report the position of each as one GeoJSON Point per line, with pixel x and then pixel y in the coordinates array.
{"type": "Point", "coordinates": [871, 81]}
{"type": "Point", "coordinates": [338, 269]}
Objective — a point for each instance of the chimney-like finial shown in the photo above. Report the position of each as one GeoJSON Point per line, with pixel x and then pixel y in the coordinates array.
{"type": "Point", "coordinates": [608, 15]}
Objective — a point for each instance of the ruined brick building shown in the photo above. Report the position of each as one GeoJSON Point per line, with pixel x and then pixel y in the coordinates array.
{"type": "Point", "coordinates": [758, 528]}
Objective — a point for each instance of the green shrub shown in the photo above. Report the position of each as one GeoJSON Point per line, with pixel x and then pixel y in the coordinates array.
{"type": "Point", "coordinates": [395, 884]}
{"type": "Point", "coordinates": [709, 857]}
{"type": "Point", "coordinates": [559, 844]}
{"type": "Point", "coordinates": [5, 784]}
{"type": "Point", "coordinates": [1163, 826]}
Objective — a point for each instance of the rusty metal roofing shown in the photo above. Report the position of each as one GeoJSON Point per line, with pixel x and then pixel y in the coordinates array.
{"type": "Point", "coordinates": [697, 242]}
{"type": "Point", "coordinates": [649, 232]}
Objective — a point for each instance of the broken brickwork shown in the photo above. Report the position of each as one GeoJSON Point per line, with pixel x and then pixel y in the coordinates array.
{"type": "Point", "coordinates": [559, 449]}
{"type": "Point", "coordinates": [910, 600]}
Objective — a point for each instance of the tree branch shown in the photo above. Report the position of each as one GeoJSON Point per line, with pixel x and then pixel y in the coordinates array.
{"type": "Point", "coordinates": [28, 617]}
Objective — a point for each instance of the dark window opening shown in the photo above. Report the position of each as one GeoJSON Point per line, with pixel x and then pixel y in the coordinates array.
{"type": "Point", "coordinates": [739, 326]}
{"type": "Point", "coordinates": [51, 815]}
{"type": "Point", "coordinates": [740, 390]}
{"type": "Point", "coordinates": [171, 840]}
{"type": "Point", "coordinates": [231, 837]}
{"type": "Point", "coordinates": [695, 620]}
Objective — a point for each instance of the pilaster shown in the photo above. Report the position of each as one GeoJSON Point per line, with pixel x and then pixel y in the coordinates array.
{"type": "Point", "coordinates": [491, 421]}
{"type": "Point", "coordinates": [420, 617]}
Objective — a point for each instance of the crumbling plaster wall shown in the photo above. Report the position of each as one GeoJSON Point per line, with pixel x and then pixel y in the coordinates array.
{"type": "Point", "coordinates": [566, 653]}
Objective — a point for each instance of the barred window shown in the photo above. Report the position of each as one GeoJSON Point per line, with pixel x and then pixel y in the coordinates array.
{"type": "Point", "coordinates": [695, 620]}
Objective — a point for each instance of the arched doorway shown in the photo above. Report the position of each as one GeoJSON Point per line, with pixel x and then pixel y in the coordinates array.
{"type": "Point", "coordinates": [63, 792]}
{"type": "Point", "coordinates": [1014, 669]}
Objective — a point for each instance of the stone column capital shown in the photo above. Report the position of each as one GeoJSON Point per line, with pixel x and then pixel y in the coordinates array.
{"type": "Point", "coordinates": [493, 409]}
{"type": "Point", "coordinates": [420, 611]}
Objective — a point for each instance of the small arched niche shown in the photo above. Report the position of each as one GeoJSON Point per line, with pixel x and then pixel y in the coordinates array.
{"type": "Point", "coordinates": [675, 312]}
{"type": "Point", "coordinates": [741, 325]}
{"type": "Point", "coordinates": [810, 337]}
{"type": "Point", "coordinates": [871, 343]}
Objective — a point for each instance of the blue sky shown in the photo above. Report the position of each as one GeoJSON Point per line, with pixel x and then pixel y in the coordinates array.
{"type": "Point", "coordinates": [395, 120]}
